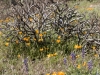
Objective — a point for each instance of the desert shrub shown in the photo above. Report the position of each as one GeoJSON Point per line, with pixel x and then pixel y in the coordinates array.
{"type": "Point", "coordinates": [38, 29]}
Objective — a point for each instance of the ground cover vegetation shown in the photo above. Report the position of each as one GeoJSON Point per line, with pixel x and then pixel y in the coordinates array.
{"type": "Point", "coordinates": [50, 38]}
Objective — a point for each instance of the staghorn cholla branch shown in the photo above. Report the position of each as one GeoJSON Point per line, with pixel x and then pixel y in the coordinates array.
{"type": "Point", "coordinates": [55, 18]}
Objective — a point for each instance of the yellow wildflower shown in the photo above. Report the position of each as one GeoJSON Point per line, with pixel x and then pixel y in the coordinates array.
{"type": "Point", "coordinates": [6, 44]}
{"type": "Point", "coordinates": [51, 55]}
{"type": "Point", "coordinates": [18, 56]}
{"type": "Point", "coordinates": [30, 19]}
{"type": "Point", "coordinates": [94, 48]}
{"type": "Point", "coordinates": [36, 31]}
{"type": "Point", "coordinates": [61, 73]}
{"type": "Point", "coordinates": [7, 20]}
{"type": "Point", "coordinates": [96, 55]}
{"type": "Point", "coordinates": [48, 55]}
{"type": "Point", "coordinates": [75, 21]}
{"type": "Point", "coordinates": [76, 7]}
{"type": "Point", "coordinates": [91, 34]}
{"type": "Point", "coordinates": [77, 46]}
{"type": "Point", "coordinates": [54, 54]}
{"type": "Point", "coordinates": [90, 8]}
{"type": "Point", "coordinates": [52, 15]}
{"type": "Point", "coordinates": [40, 40]}
{"type": "Point", "coordinates": [58, 41]}
{"type": "Point", "coordinates": [59, 37]}
{"type": "Point", "coordinates": [40, 35]}
{"type": "Point", "coordinates": [84, 32]}
{"type": "Point", "coordinates": [17, 42]}
{"type": "Point", "coordinates": [41, 49]}
{"type": "Point", "coordinates": [28, 44]}
{"type": "Point", "coordinates": [61, 29]}
{"type": "Point", "coordinates": [1, 21]}
{"type": "Point", "coordinates": [34, 39]}
{"type": "Point", "coordinates": [38, 16]}
{"type": "Point", "coordinates": [26, 39]}
{"type": "Point", "coordinates": [48, 74]}
{"type": "Point", "coordinates": [84, 63]}
{"type": "Point", "coordinates": [77, 56]}
{"type": "Point", "coordinates": [79, 66]}
{"type": "Point", "coordinates": [20, 32]}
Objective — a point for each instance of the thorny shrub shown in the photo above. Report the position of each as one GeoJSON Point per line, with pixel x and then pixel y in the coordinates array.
{"type": "Point", "coordinates": [37, 29]}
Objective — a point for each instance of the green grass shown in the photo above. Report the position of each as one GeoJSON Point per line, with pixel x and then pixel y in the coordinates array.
{"type": "Point", "coordinates": [46, 65]}
{"type": "Point", "coordinates": [84, 5]}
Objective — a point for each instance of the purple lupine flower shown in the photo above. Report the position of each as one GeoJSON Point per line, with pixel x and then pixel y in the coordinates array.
{"type": "Point", "coordinates": [90, 65]}
{"type": "Point", "coordinates": [26, 64]}
{"type": "Point", "coordinates": [73, 56]}
{"type": "Point", "coordinates": [65, 61]}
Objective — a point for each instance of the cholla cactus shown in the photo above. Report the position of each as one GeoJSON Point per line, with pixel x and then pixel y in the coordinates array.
{"type": "Point", "coordinates": [37, 27]}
